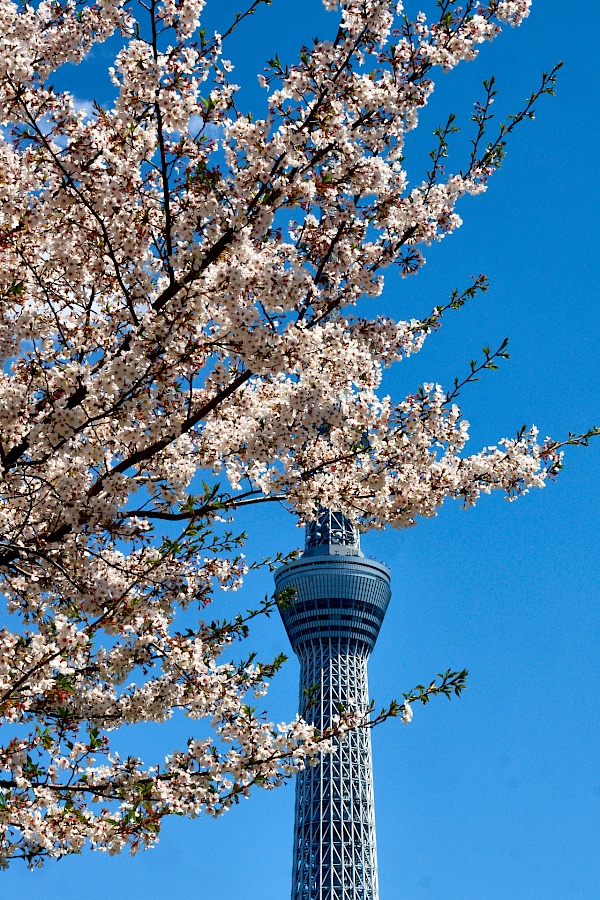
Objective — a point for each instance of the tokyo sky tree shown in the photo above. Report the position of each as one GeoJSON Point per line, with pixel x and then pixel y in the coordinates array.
{"type": "Point", "coordinates": [332, 621]}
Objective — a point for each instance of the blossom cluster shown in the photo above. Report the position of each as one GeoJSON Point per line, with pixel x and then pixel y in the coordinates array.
{"type": "Point", "coordinates": [181, 290]}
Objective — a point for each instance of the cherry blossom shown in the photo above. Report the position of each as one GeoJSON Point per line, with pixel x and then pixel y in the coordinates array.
{"type": "Point", "coordinates": [181, 294]}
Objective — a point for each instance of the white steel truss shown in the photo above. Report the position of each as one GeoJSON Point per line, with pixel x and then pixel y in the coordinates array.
{"type": "Point", "coordinates": [331, 528]}
{"type": "Point", "coordinates": [335, 856]}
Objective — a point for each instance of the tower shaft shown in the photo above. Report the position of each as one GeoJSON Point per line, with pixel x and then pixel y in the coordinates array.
{"type": "Point", "coordinates": [337, 603]}
{"type": "Point", "coordinates": [335, 853]}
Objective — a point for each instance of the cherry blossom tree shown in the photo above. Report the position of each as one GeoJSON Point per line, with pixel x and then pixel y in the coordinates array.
{"type": "Point", "coordinates": [181, 288]}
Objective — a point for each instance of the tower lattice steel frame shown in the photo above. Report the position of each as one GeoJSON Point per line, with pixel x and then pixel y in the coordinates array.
{"type": "Point", "coordinates": [333, 622]}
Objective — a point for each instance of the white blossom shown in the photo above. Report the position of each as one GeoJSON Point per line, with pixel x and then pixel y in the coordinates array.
{"type": "Point", "coordinates": [181, 293]}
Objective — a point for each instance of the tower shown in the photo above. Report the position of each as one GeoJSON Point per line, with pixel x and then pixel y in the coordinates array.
{"type": "Point", "coordinates": [332, 621]}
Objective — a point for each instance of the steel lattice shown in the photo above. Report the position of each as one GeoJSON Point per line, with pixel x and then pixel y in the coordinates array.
{"type": "Point", "coordinates": [335, 855]}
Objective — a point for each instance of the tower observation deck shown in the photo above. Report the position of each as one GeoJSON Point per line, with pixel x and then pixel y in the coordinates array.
{"type": "Point", "coordinates": [333, 621]}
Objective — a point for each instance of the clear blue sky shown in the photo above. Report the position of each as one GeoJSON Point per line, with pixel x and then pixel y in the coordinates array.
{"type": "Point", "coordinates": [495, 795]}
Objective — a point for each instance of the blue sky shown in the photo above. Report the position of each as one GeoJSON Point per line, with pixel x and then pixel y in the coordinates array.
{"type": "Point", "coordinates": [495, 795]}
